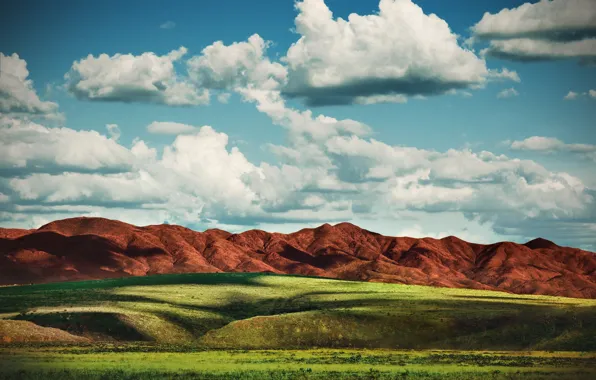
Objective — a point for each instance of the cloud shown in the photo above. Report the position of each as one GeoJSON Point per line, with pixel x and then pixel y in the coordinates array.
{"type": "Point", "coordinates": [551, 144]}
{"type": "Point", "coordinates": [146, 78]}
{"type": "Point", "coordinates": [327, 169]}
{"type": "Point", "coordinates": [545, 30]}
{"type": "Point", "coordinates": [504, 74]}
{"type": "Point", "coordinates": [200, 181]}
{"type": "Point", "coordinates": [170, 128]}
{"type": "Point", "coordinates": [120, 190]}
{"type": "Point", "coordinates": [113, 131]}
{"type": "Point", "coordinates": [240, 64]}
{"type": "Point", "coordinates": [29, 147]}
{"type": "Point", "coordinates": [382, 180]}
{"type": "Point", "coordinates": [301, 123]}
{"type": "Point", "coordinates": [168, 25]}
{"type": "Point", "coordinates": [572, 95]}
{"type": "Point", "coordinates": [528, 50]}
{"type": "Point", "coordinates": [398, 52]}
{"type": "Point", "coordinates": [195, 178]}
{"type": "Point", "coordinates": [17, 95]}
{"type": "Point", "coordinates": [508, 93]}
{"type": "Point", "coordinates": [554, 20]}
{"type": "Point", "coordinates": [224, 97]}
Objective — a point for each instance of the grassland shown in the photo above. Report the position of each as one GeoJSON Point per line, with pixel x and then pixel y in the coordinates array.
{"type": "Point", "coordinates": [291, 327]}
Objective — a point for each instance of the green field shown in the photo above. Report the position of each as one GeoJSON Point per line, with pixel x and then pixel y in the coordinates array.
{"type": "Point", "coordinates": [271, 326]}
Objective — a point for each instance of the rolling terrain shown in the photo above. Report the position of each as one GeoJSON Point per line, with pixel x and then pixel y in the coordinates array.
{"type": "Point", "coordinates": [253, 325]}
{"type": "Point", "coordinates": [96, 248]}
{"type": "Point", "coordinates": [264, 311]}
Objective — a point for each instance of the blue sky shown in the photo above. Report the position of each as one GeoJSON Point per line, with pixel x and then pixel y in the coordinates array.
{"type": "Point", "coordinates": [459, 99]}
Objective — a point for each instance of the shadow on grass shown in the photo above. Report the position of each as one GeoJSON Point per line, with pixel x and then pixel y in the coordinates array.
{"type": "Point", "coordinates": [95, 325]}
{"type": "Point", "coordinates": [473, 322]}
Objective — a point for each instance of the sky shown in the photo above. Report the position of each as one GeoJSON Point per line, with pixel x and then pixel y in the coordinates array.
{"type": "Point", "coordinates": [418, 118]}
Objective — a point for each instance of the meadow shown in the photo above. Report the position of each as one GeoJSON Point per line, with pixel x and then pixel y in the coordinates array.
{"type": "Point", "coordinates": [284, 327]}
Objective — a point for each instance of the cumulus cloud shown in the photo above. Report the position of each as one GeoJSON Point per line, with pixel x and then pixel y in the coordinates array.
{"type": "Point", "coordinates": [94, 189]}
{"type": "Point", "coordinates": [301, 123]}
{"type": "Point", "coordinates": [199, 180]}
{"type": "Point", "coordinates": [545, 30]}
{"type": "Point", "coordinates": [170, 128]}
{"type": "Point", "coordinates": [551, 144]}
{"type": "Point", "coordinates": [146, 78]}
{"type": "Point", "coordinates": [399, 51]}
{"type": "Point", "coordinates": [29, 147]}
{"type": "Point", "coordinates": [571, 95]}
{"type": "Point", "coordinates": [17, 95]}
{"type": "Point", "coordinates": [241, 64]}
{"type": "Point", "coordinates": [508, 93]}
{"type": "Point", "coordinates": [555, 20]}
{"type": "Point", "coordinates": [327, 169]}
{"type": "Point", "coordinates": [195, 178]}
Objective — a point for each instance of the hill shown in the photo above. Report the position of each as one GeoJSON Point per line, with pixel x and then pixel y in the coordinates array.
{"type": "Point", "coordinates": [264, 311]}
{"type": "Point", "coordinates": [96, 248]}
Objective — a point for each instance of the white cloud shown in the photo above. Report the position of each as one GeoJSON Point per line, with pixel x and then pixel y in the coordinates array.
{"type": "Point", "coordinates": [547, 19]}
{"type": "Point", "coordinates": [571, 95]}
{"type": "Point", "coordinates": [168, 25]}
{"type": "Point", "coordinates": [551, 144]}
{"type": "Point", "coordinates": [113, 131]}
{"type": "Point", "coordinates": [399, 51]}
{"type": "Point", "coordinates": [526, 49]}
{"type": "Point", "coordinates": [146, 78]}
{"type": "Point", "coordinates": [301, 123]}
{"type": "Point", "coordinates": [374, 99]}
{"type": "Point", "coordinates": [327, 170]}
{"type": "Point", "coordinates": [545, 30]}
{"type": "Point", "coordinates": [17, 95]}
{"type": "Point", "coordinates": [89, 189]}
{"type": "Point", "coordinates": [504, 74]}
{"type": "Point", "coordinates": [196, 178]}
{"type": "Point", "coordinates": [508, 93]}
{"type": "Point", "coordinates": [142, 152]}
{"type": "Point", "coordinates": [29, 147]}
{"type": "Point", "coordinates": [240, 64]}
{"type": "Point", "coordinates": [199, 181]}
{"type": "Point", "coordinates": [170, 128]}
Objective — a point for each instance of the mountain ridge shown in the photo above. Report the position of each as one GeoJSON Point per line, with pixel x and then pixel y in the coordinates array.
{"type": "Point", "coordinates": [93, 248]}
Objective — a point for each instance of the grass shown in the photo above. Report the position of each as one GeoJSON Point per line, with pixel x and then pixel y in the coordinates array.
{"type": "Point", "coordinates": [289, 364]}
{"type": "Point", "coordinates": [166, 325]}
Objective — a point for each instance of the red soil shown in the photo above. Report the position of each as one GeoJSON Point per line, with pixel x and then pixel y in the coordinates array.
{"type": "Point", "coordinates": [95, 248]}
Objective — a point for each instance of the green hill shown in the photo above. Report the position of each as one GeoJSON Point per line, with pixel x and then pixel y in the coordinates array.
{"type": "Point", "coordinates": [257, 311]}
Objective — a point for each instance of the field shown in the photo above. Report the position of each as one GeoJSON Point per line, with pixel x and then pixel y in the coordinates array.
{"type": "Point", "coordinates": [288, 327]}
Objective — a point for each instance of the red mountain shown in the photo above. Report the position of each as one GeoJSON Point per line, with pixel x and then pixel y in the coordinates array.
{"type": "Point", "coordinates": [95, 248]}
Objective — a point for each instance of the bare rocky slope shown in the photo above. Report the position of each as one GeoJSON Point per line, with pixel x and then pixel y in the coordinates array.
{"type": "Point", "coordinates": [96, 248]}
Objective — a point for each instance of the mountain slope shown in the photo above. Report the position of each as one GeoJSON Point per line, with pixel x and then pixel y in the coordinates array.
{"type": "Point", "coordinates": [93, 248]}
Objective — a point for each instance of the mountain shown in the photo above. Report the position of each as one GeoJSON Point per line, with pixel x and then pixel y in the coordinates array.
{"type": "Point", "coordinates": [96, 248]}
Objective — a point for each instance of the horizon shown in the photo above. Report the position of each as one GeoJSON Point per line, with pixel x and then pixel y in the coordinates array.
{"type": "Point", "coordinates": [408, 118]}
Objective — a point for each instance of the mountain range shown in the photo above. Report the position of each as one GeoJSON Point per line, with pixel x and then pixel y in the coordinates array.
{"type": "Point", "coordinates": [97, 248]}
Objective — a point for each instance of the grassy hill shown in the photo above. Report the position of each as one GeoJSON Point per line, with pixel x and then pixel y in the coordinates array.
{"type": "Point", "coordinates": [258, 311]}
{"type": "Point", "coordinates": [258, 326]}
